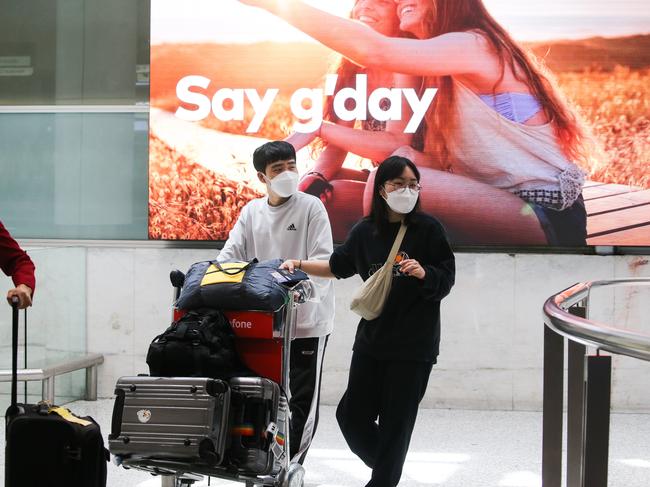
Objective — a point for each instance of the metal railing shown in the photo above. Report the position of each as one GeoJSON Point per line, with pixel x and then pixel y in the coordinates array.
{"type": "Point", "coordinates": [588, 384]}
{"type": "Point", "coordinates": [47, 374]}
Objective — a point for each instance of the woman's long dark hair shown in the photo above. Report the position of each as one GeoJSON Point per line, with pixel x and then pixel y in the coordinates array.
{"type": "Point", "coordinates": [391, 168]}
{"type": "Point", "coordinates": [472, 16]}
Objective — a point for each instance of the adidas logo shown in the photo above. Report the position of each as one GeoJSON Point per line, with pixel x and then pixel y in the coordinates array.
{"type": "Point", "coordinates": [292, 228]}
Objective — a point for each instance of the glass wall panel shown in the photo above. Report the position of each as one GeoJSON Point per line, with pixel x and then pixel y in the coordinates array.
{"type": "Point", "coordinates": [74, 52]}
{"type": "Point", "coordinates": [74, 175]}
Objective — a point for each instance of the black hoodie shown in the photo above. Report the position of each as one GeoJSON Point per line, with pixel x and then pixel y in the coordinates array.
{"type": "Point", "coordinates": [409, 326]}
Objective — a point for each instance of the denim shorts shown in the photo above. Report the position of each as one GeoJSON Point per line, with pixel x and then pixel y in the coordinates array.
{"type": "Point", "coordinates": [564, 228]}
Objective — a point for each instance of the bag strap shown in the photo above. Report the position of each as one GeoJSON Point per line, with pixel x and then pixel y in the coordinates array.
{"type": "Point", "coordinates": [229, 272]}
{"type": "Point", "coordinates": [396, 245]}
{"type": "Point", "coordinates": [180, 330]}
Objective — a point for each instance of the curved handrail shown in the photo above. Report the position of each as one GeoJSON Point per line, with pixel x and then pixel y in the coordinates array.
{"type": "Point", "coordinates": [591, 333]}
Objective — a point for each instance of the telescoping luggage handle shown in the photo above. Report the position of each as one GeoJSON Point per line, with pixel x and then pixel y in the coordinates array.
{"type": "Point", "coordinates": [14, 353]}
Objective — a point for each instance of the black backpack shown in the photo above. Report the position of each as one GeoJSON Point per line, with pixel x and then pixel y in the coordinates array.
{"type": "Point", "coordinates": [200, 344]}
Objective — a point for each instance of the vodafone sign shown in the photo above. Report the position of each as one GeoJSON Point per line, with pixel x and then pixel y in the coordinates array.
{"type": "Point", "coordinates": [251, 324]}
{"type": "Point", "coordinates": [235, 323]}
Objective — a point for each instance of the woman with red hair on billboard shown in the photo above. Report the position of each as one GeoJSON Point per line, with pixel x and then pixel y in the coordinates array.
{"type": "Point", "coordinates": [340, 188]}
{"type": "Point", "coordinates": [500, 145]}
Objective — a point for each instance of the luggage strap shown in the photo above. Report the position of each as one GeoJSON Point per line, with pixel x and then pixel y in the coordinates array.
{"type": "Point", "coordinates": [277, 441]}
{"type": "Point", "coordinates": [230, 271]}
{"type": "Point", "coordinates": [68, 416]}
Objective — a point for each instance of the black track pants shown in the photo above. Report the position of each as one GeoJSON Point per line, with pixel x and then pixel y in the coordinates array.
{"type": "Point", "coordinates": [305, 378]}
{"type": "Point", "coordinates": [389, 391]}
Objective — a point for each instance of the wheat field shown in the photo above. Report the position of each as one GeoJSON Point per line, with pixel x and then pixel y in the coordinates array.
{"type": "Point", "coordinates": [616, 106]}
{"type": "Point", "coordinates": [188, 201]}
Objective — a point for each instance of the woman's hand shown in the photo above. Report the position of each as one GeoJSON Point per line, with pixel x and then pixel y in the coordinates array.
{"type": "Point", "coordinates": [412, 267]}
{"type": "Point", "coordinates": [290, 265]}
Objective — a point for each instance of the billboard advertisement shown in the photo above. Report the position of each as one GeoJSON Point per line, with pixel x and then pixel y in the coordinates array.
{"type": "Point", "coordinates": [227, 77]}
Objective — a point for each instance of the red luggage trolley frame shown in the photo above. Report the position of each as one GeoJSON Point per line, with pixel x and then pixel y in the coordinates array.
{"type": "Point", "coordinates": [263, 342]}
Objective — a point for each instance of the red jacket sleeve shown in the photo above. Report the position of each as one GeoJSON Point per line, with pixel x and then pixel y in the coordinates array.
{"type": "Point", "coordinates": [14, 261]}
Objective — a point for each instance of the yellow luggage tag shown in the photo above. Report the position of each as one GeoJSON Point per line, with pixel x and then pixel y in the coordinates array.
{"type": "Point", "coordinates": [68, 416]}
{"type": "Point", "coordinates": [226, 272]}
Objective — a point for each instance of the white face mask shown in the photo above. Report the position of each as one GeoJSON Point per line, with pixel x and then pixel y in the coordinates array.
{"type": "Point", "coordinates": [402, 201]}
{"type": "Point", "coordinates": [284, 184]}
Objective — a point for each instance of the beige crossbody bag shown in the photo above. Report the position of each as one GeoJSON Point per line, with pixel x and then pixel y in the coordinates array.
{"type": "Point", "coordinates": [368, 301]}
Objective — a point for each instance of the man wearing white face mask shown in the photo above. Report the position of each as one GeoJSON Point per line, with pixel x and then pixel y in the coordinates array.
{"type": "Point", "coordinates": [289, 223]}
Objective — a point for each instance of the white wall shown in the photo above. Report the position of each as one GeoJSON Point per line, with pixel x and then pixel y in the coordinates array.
{"type": "Point", "coordinates": [492, 331]}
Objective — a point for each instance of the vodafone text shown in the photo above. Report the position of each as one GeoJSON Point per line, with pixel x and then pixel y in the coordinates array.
{"type": "Point", "coordinates": [241, 324]}
{"type": "Point", "coordinates": [310, 118]}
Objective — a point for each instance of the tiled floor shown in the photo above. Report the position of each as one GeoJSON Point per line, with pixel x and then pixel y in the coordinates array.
{"type": "Point", "coordinates": [450, 448]}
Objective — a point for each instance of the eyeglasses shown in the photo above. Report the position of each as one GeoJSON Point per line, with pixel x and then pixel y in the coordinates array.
{"type": "Point", "coordinates": [401, 186]}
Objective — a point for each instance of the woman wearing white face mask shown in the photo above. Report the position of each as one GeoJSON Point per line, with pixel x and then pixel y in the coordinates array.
{"type": "Point", "coordinates": [395, 352]}
{"type": "Point", "coordinates": [403, 198]}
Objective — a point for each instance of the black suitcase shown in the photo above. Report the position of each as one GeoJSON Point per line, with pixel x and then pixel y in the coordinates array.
{"type": "Point", "coordinates": [171, 418]}
{"type": "Point", "coordinates": [44, 449]}
{"type": "Point", "coordinates": [259, 426]}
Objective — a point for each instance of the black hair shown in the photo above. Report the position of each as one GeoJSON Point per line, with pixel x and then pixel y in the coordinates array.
{"type": "Point", "coordinates": [271, 152]}
{"type": "Point", "coordinates": [391, 168]}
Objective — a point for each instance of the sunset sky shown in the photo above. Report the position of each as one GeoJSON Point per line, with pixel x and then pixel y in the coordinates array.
{"type": "Point", "coordinates": [227, 21]}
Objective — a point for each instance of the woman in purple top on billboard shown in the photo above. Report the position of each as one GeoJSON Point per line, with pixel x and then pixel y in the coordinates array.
{"type": "Point", "coordinates": [340, 188]}
{"type": "Point", "coordinates": [501, 146]}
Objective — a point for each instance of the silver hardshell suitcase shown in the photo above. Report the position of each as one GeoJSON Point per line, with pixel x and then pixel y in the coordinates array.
{"type": "Point", "coordinates": [184, 418]}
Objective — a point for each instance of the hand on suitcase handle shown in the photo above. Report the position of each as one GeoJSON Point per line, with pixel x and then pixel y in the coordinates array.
{"type": "Point", "coordinates": [21, 292]}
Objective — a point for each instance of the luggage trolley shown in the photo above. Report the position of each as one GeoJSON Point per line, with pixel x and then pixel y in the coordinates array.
{"type": "Point", "coordinates": [263, 342]}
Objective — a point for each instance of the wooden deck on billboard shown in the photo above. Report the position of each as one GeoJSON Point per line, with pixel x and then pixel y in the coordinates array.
{"type": "Point", "coordinates": [617, 214]}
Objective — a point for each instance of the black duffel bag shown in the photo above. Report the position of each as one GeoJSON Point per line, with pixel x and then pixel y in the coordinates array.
{"type": "Point", "coordinates": [200, 344]}
{"type": "Point", "coordinates": [236, 286]}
